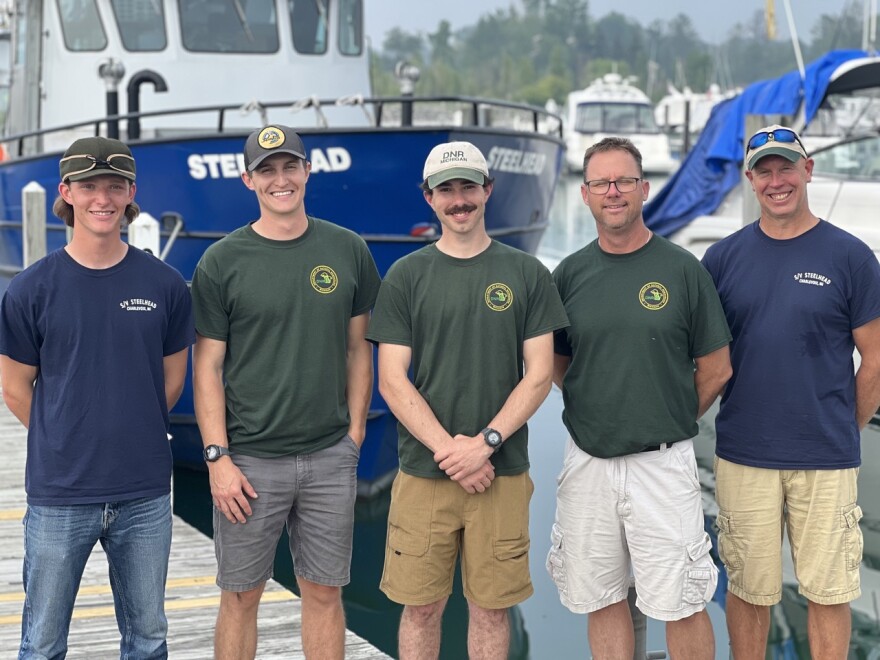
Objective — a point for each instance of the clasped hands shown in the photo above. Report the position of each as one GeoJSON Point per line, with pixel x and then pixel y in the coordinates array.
{"type": "Point", "coordinates": [466, 460]}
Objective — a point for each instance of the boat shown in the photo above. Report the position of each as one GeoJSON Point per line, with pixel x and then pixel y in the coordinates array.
{"type": "Point", "coordinates": [703, 201]}
{"type": "Point", "coordinates": [198, 76]}
{"type": "Point", "coordinates": [614, 106]}
{"type": "Point", "coordinates": [683, 114]}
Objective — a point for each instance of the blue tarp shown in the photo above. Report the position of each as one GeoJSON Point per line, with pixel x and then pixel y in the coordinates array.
{"type": "Point", "coordinates": [713, 167]}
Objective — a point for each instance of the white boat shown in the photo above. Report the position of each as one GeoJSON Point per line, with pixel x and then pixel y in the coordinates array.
{"type": "Point", "coordinates": [685, 112]}
{"type": "Point", "coordinates": [613, 106]}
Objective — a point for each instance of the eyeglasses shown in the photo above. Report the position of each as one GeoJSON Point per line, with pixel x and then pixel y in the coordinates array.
{"type": "Point", "coordinates": [624, 184]}
{"type": "Point", "coordinates": [777, 135]}
{"type": "Point", "coordinates": [80, 164]}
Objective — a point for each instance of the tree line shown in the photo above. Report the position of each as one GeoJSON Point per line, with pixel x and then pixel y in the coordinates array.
{"type": "Point", "coordinates": [543, 49]}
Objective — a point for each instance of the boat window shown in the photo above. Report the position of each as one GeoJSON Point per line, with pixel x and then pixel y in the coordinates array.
{"type": "Point", "coordinates": [858, 160]}
{"type": "Point", "coordinates": [589, 119]}
{"type": "Point", "coordinates": [647, 121]}
{"type": "Point", "coordinates": [622, 118]}
{"type": "Point", "coordinates": [229, 26]}
{"type": "Point", "coordinates": [308, 22]}
{"type": "Point", "coordinates": [351, 27]}
{"type": "Point", "coordinates": [615, 118]}
{"type": "Point", "coordinates": [81, 25]}
{"type": "Point", "coordinates": [141, 24]}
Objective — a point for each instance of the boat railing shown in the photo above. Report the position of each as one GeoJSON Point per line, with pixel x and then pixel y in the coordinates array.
{"type": "Point", "coordinates": [379, 113]}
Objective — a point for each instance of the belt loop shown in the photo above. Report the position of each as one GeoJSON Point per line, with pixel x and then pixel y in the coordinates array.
{"type": "Point", "coordinates": [664, 446]}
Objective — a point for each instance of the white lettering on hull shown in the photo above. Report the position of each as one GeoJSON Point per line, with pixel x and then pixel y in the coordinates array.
{"type": "Point", "coordinates": [502, 159]}
{"type": "Point", "coordinates": [230, 166]}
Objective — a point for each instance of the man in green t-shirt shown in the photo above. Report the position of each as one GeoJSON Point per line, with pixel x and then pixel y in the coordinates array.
{"type": "Point", "coordinates": [644, 357]}
{"type": "Point", "coordinates": [283, 378]}
{"type": "Point", "coordinates": [474, 319]}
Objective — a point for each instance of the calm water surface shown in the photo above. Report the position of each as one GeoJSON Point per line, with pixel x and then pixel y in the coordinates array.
{"type": "Point", "coordinates": [542, 627]}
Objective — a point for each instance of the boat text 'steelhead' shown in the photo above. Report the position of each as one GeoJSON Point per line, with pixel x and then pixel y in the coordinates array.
{"type": "Point", "coordinates": [774, 140]}
{"type": "Point", "coordinates": [275, 139]}
{"type": "Point", "coordinates": [94, 156]}
{"type": "Point", "coordinates": [455, 160]}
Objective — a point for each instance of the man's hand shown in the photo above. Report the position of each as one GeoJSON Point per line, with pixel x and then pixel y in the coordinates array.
{"type": "Point", "coordinates": [358, 435]}
{"type": "Point", "coordinates": [479, 481]}
{"type": "Point", "coordinates": [230, 490]}
{"type": "Point", "coordinates": [463, 456]}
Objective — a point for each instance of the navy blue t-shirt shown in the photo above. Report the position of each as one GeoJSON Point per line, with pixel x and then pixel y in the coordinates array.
{"type": "Point", "coordinates": [99, 420]}
{"type": "Point", "coordinates": [792, 306]}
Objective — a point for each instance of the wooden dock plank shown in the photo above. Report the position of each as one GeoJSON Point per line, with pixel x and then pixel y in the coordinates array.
{"type": "Point", "coordinates": [191, 599]}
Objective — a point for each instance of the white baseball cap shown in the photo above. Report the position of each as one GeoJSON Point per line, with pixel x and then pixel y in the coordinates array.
{"type": "Point", "coordinates": [455, 160]}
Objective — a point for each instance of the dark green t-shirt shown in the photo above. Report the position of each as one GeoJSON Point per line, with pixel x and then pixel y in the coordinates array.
{"type": "Point", "coordinates": [637, 322]}
{"type": "Point", "coordinates": [283, 309]}
{"type": "Point", "coordinates": [466, 321]}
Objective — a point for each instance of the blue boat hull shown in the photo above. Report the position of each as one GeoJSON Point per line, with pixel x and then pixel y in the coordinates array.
{"type": "Point", "coordinates": [366, 180]}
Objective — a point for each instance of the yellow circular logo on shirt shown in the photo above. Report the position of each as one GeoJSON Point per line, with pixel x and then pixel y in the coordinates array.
{"type": "Point", "coordinates": [271, 138]}
{"type": "Point", "coordinates": [498, 297]}
{"type": "Point", "coordinates": [323, 279]}
{"type": "Point", "coordinates": [653, 296]}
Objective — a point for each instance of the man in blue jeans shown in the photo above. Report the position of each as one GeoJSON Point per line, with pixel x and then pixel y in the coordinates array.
{"type": "Point", "coordinates": [93, 351]}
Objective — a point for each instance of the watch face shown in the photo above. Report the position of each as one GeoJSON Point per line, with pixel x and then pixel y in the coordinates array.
{"type": "Point", "coordinates": [212, 452]}
{"type": "Point", "coordinates": [493, 438]}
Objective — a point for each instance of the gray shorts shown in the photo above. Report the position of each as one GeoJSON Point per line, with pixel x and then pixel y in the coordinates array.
{"type": "Point", "coordinates": [313, 494]}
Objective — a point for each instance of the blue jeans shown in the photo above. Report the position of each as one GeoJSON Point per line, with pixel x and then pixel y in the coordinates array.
{"type": "Point", "coordinates": [135, 535]}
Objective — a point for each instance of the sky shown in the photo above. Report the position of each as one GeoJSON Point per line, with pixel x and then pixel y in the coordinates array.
{"type": "Point", "coordinates": [711, 18]}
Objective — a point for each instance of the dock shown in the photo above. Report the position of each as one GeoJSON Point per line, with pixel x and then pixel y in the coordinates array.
{"type": "Point", "coordinates": [191, 596]}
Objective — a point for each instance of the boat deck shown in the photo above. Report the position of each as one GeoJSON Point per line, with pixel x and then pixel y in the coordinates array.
{"type": "Point", "coordinates": [191, 598]}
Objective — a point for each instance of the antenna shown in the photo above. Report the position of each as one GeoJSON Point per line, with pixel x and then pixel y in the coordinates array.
{"type": "Point", "coordinates": [795, 42]}
{"type": "Point", "coordinates": [869, 25]}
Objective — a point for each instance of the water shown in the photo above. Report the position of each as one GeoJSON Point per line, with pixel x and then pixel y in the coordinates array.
{"type": "Point", "coordinates": [542, 627]}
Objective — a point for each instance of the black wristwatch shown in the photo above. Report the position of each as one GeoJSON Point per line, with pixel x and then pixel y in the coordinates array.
{"type": "Point", "coordinates": [214, 452]}
{"type": "Point", "coordinates": [493, 439]}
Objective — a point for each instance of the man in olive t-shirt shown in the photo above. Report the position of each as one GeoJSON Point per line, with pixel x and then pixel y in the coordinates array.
{"type": "Point", "coordinates": [645, 356]}
{"type": "Point", "coordinates": [283, 378]}
{"type": "Point", "coordinates": [474, 319]}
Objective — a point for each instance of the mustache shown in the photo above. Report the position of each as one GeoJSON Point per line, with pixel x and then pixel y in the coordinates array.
{"type": "Point", "coordinates": [461, 208]}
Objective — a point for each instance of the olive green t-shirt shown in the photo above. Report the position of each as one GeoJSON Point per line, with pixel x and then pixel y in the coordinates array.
{"type": "Point", "coordinates": [283, 309]}
{"type": "Point", "coordinates": [638, 320]}
{"type": "Point", "coordinates": [466, 321]}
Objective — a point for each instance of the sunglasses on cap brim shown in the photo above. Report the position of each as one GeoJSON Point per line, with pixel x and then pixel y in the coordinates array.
{"type": "Point", "coordinates": [784, 135]}
{"type": "Point", "coordinates": [116, 162]}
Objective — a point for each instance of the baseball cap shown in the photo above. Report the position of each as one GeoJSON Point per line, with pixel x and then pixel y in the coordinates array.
{"type": "Point", "coordinates": [274, 139]}
{"type": "Point", "coordinates": [455, 160]}
{"type": "Point", "coordinates": [94, 156]}
{"type": "Point", "coordinates": [774, 140]}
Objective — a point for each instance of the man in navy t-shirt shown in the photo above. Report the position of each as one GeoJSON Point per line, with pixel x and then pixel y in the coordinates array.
{"type": "Point", "coordinates": [93, 351]}
{"type": "Point", "coordinates": [799, 294]}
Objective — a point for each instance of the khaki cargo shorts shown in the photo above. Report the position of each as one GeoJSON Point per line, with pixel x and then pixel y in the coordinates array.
{"type": "Point", "coordinates": [432, 520]}
{"type": "Point", "coordinates": [819, 510]}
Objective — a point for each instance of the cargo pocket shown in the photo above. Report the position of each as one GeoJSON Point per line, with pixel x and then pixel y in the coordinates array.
{"type": "Point", "coordinates": [404, 542]}
{"type": "Point", "coordinates": [702, 575]}
{"type": "Point", "coordinates": [852, 514]}
{"type": "Point", "coordinates": [511, 575]}
{"type": "Point", "coordinates": [727, 546]}
{"type": "Point", "coordinates": [556, 558]}
{"type": "Point", "coordinates": [510, 549]}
